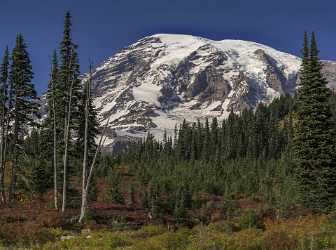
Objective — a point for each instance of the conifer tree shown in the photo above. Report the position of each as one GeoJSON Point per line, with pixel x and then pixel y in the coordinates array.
{"type": "Point", "coordinates": [214, 133]}
{"type": "Point", "coordinates": [70, 87]}
{"type": "Point", "coordinates": [40, 175]}
{"type": "Point", "coordinates": [206, 141]}
{"type": "Point", "coordinates": [54, 84]}
{"type": "Point", "coordinates": [4, 74]}
{"type": "Point", "coordinates": [51, 125]}
{"type": "Point", "coordinates": [230, 136]}
{"type": "Point", "coordinates": [314, 134]}
{"type": "Point", "coordinates": [92, 129]}
{"type": "Point", "coordinates": [24, 103]}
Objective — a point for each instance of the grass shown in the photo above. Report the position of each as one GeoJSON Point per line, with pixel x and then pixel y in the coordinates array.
{"type": "Point", "coordinates": [307, 233]}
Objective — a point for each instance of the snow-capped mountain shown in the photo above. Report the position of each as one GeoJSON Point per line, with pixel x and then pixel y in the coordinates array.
{"type": "Point", "coordinates": [162, 79]}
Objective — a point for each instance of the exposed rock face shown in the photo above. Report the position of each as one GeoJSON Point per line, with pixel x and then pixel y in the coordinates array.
{"type": "Point", "coordinates": [155, 83]}
{"type": "Point", "coordinates": [329, 72]}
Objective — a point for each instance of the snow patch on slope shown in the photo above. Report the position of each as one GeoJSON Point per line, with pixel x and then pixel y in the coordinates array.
{"type": "Point", "coordinates": [178, 47]}
{"type": "Point", "coordinates": [147, 92]}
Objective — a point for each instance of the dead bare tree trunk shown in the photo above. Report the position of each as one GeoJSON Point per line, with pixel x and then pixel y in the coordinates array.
{"type": "Point", "coordinates": [2, 157]}
{"type": "Point", "coordinates": [12, 189]}
{"type": "Point", "coordinates": [4, 154]}
{"type": "Point", "coordinates": [87, 185]}
{"type": "Point", "coordinates": [55, 154]}
{"type": "Point", "coordinates": [4, 133]}
{"type": "Point", "coordinates": [66, 141]}
{"type": "Point", "coordinates": [87, 96]}
{"type": "Point", "coordinates": [65, 157]}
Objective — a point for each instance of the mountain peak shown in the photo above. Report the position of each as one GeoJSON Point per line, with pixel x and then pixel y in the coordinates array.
{"type": "Point", "coordinates": [162, 79]}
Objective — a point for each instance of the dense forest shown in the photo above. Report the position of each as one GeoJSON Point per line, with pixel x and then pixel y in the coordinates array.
{"type": "Point", "coordinates": [281, 156]}
{"type": "Point", "coordinates": [247, 155]}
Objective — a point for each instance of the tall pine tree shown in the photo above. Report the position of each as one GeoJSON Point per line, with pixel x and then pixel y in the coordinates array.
{"type": "Point", "coordinates": [92, 122]}
{"type": "Point", "coordinates": [70, 87]}
{"type": "Point", "coordinates": [52, 126]}
{"type": "Point", "coordinates": [24, 103]}
{"type": "Point", "coordinates": [314, 136]}
{"type": "Point", "coordinates": [4, 74]}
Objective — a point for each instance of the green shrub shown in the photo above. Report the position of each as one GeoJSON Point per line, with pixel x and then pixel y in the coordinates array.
{"type": "Point", "coordinates": [229, 208]}
{"type": "Point", "coordinates": [150, 231]}
{"type": "Point", "coordinates": [248, 239]}
{"type": "Point", "coordinates": [251, 219]}
{"type": "Point", "coordinates": [223, 227]}
{"type": "Point", "coordinates": [280, 240]}
{"type": "Point", "coordinates": [25, 234]}
{"type": "Point", "coordinates": [205, 239]}
{"type": "Point", "coordinates": [168, 240]}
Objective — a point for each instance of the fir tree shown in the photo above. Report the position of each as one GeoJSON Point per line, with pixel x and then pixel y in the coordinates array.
{"type": "Point", "coordinates": [24, 102]}
{"type": "Point", "coordinates": [314, 134]}
{"type": "Point", "coordinates": [70, 88]}
{"type": "Point", "coordinates": [40, 173]}
{"type": "Point", "coordinates": [206, 151]}
{"type": "Point", "coordinates": [52, 123]}
{"type": "Point", "coordinates": [92, 122]}
{"type": "Point", "coordinates": [4, 74]}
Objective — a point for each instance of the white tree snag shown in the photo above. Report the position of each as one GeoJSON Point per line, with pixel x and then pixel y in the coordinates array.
{"type": "Point", "coordinates": [55, 152]}
{"type": "Point", "coordinates": [86, 191]}
{"type": "Point", "coordinates": [66, 138]}
{"type": "Point", "coordinates": [87, 89]}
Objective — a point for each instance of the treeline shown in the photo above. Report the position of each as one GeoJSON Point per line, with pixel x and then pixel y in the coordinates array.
{"type": "Point", "coordinates": [263, 134]}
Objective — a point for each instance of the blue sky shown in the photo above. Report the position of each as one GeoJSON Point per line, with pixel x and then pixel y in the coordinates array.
{"type": "Point", "coordinates": [102, 27]}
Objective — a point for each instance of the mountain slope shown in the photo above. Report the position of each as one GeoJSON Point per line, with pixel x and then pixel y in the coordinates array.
{"type": "Point", "coordinates": [162, 79]}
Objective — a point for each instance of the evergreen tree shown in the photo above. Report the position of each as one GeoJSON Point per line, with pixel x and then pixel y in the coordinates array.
{"type": "Point", "coordinates": [24, 102]}
{"type": "Point", "coordinates": [4, 74]}
{"type": "Point", "coordinates": [131, 197]}
{"type": "Point", "coordinates": [214, 134]}
{"type": "Point", "coordinates": [70, 88]}
{"type": "Point", "coordinates": [53, 110]}
{"type": "Point", "coordinates": [40, 173]}
{"type": "Point", "coordinates": [206, 151]}
{"type": "Point", "coordinates": [230, 139]}
{"type": "Point", "coordinates": [52, 126]}
{"type": "Point", "coordinates": [92, 122]}
{"type": "Point", "coordinates": [314, 134]}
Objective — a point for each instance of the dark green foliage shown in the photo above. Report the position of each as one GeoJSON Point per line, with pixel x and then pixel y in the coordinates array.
{"type": "Point", "coordinates": [92, 124]}
{"type": "Point", "coordinates": [4, 118]}
{"type": "Point", "coordinates": [114, 194]}
{"type": "Point", "coordinates": [21, 75]}
{"type": "Point", "coordinates": [4, 84]}
{"type": "Point", "coordinates": [314, 140]}
{"type": "Point", "coordinates": [251, 219]}
{"type": "Point", "coordinates": [24, 102]}
{"type": "Point", "coordinates": [131, 197]}
{"type": "Point", "coordinates": [67, 81]}
{"type": "Point", "coordinates": [263, 134]}
{"type": "Point", "coordinates": [233, 160]}
{"type": "Point", "coordinates": [69, 76]}
{"type": "Point", "coordinates": [53, 95]}
{"type": "Point", "coordinates": [53, 84]}
{"type": "Point", "coordinates": [41, 170]}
